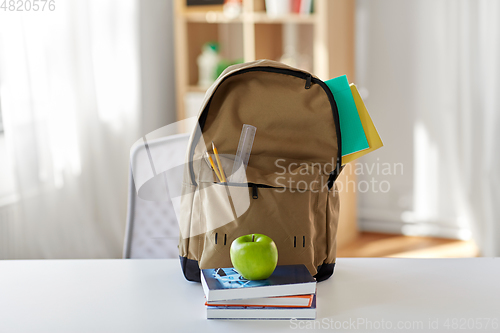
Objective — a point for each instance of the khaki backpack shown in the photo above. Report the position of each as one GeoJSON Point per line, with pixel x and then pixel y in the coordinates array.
{"type": "Point", "coordinates": [289, 193]}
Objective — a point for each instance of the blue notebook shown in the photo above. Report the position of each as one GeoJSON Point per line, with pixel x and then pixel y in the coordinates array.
{"type": "Point", "coordinates": [351, 129]}
{"type": "Point", "coordinates": [226, 283]}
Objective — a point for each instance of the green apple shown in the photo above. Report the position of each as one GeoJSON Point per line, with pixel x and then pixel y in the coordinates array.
{"type": "Point", "coordinates": [254, 256]}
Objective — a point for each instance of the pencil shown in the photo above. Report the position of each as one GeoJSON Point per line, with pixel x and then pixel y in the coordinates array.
{"type": "Point", "coordinates": [221, 170]}
{"type": "Point", "coordinates": [213, 167]}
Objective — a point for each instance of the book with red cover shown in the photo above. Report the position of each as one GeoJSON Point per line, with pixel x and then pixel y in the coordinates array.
{"type": "Point", "coordinates": [253, 312]}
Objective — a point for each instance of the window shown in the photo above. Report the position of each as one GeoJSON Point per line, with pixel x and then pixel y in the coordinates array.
{"type": "Point", "coordinates": [1, 123]}
{"type": "Point", "coordinates": [7, 185]}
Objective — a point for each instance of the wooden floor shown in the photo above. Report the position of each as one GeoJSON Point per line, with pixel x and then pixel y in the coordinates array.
{"type": "Point", "coordinates": [398, 246]}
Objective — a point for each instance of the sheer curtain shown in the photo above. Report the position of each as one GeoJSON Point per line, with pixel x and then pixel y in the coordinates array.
{"type": "Point", "coordinates": [439, 62]}
{"type": "Point", "coordinates": [460, 71]}
{"type": "Point", "coordinates": [70, 100]}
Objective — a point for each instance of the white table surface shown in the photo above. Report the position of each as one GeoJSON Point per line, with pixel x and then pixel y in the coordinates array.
{"type": "Point", "coordinates": [152, 296]}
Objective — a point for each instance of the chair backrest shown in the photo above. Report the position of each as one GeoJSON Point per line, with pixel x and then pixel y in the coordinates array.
{"type": "Point", "coordinates": [152, 229]}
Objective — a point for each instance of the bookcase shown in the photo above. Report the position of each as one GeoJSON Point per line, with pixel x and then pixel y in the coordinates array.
{"type": "Point", "coordinates": [325, 36]}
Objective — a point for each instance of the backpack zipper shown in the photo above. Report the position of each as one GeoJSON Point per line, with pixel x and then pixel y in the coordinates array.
{"type": "Point", "coordinates": [255, 192]}
{"type": "Point", "coordinates": [309, 81]}
{"type": "Point", "coordinates": [255, 189]}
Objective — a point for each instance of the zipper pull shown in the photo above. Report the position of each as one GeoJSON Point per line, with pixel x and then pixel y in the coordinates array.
{"type": "Point", "coordinates": [308, 81]}
{"type": "Point", "coordinates": [255, 192]}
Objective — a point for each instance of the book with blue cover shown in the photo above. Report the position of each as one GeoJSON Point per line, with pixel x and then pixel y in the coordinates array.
{"type": "Point", "coordinates": [226, 283]}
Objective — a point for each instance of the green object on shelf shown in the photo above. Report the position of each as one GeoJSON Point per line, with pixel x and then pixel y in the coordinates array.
{"type": "Point", "coordinates": [224, 63]}
{"type": "Point", "coordinates": [212, 45]}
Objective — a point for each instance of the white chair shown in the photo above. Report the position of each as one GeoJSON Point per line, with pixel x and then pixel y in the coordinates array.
{"type": "Point", "coordinates": [152, 228]}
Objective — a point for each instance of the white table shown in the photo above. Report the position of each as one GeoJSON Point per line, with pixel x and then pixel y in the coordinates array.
{"type": "Point", "coordinates": [152, 296]}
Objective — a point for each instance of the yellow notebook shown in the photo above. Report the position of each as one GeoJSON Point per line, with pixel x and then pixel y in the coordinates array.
{"type": "Point", "coordinates": [371, 133]}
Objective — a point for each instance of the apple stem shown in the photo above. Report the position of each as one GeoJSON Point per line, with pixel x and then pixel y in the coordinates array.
{"type": "Point", "coordinates": [253, 238]}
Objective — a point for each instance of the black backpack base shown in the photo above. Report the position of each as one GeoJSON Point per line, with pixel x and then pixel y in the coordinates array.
{"type": "Point", "coordinates": [192, 270]}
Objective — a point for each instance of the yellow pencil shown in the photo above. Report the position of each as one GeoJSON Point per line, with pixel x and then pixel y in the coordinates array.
{"type": "Point", "coordinates": [213, 167]}
{"type": "Point", "coordinates": [223, 175]}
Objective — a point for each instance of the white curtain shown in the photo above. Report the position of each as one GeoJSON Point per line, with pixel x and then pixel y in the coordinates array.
{"type": "Point", "coordinates": [450, 77]}
{"type": "Point", "coordinates": [459, 121]}
{"type": "Point", "coordinates": [70, 100]}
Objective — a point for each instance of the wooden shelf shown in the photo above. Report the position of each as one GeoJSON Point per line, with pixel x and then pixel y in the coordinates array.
{"type": "Point", "coordinates": [258, 17]}
{"type": "Point", "coordinates": [192, 88]}
{"type": "Point", "coordinates": [290, 18]}
{"type": "Point", "coordinates": [256, 35]}
{"type": "Point", "coordinates": [211, 17]}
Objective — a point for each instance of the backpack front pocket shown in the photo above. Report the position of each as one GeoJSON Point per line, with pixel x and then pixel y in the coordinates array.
{"type": "Point", "coordinates": [295, 218]}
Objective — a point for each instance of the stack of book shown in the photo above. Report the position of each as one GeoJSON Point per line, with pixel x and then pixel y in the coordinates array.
{"type": "Point", "coordinates": [290, 292]}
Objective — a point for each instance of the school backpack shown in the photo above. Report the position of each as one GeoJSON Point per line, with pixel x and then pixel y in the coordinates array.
{"type": "Point", "coordinates": [289, 192]}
